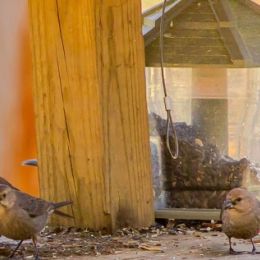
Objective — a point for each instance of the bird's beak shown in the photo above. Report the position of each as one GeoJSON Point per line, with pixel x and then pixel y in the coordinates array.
{"type": "Point", "coordinates": [228, 204]}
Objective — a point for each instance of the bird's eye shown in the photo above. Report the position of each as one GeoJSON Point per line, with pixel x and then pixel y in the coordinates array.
{"type": "Point", "coordinates": [238, 199]}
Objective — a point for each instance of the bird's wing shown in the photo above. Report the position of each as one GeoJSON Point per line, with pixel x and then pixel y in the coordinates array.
{"type": "Point", "coordinates": [34, 206]}
{"type": "Point", "coordinates": [37, 207]}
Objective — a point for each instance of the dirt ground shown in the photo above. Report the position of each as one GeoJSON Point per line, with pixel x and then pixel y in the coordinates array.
{"type": "Point", "coordinates": [173, 243]}
{"type": "Point", "coordinates": [212, 245]}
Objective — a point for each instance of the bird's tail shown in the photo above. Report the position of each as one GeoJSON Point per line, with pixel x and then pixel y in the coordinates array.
{"type": "Point", "coordinates": [62, 204]}
{"type": "Point", "coordinates": [62, 214]}
{"type": "Point", "coordinates": [59, 205]}
{"type": "Point", "coordinates": [30, 162]}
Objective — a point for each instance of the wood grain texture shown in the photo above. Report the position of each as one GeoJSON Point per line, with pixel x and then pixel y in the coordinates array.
{"type": "Point", "coordinates": [91, 115]}
{"type": "Point", "coordinates": [124, 110]}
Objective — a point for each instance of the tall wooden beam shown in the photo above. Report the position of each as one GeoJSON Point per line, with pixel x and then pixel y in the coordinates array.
{"type": "Point", "coordinates": [91, 114]}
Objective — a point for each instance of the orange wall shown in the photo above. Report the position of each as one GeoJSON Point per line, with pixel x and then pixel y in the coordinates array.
{"type": "Point", "coordinates": [17, 133]}
{"type": "Point", "coordinates": [256, 1]}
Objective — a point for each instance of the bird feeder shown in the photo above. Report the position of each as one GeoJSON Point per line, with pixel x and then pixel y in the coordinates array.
{"type": "Point", "coordinates": [211, 71]}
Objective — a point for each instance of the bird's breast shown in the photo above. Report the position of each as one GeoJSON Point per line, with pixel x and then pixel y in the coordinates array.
{"type": "Point", "coordinates": [16, 225]}
{"type": "Point", "coordinates": [2, 211]}
{"type": "Point", "coordinates": [238, 225]}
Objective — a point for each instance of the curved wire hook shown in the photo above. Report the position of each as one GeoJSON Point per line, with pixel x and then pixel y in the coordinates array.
{"type": "Point", "coordinates": [167, 100]}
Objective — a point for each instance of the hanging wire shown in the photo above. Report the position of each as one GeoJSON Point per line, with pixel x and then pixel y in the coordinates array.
{"type": "Point", "coordinates": [167, 100]}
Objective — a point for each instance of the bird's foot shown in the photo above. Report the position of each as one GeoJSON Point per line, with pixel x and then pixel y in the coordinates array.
{"type": "Point", "coordinates": [233, 252]}
{"type": "Point", "coordinates": [11, 255]}
{"type": "Point", "coordinates": [15, 250]}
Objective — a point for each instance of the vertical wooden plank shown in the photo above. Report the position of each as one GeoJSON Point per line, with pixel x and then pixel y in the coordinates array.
{"type": "Point", "coordinates": [122, 82]}
{"type": "Point", "coordinates": [91, 117]}
{"type": "Point", "coordinates": [67, 105]}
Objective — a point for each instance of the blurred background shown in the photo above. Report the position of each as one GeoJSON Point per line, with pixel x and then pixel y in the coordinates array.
{"type": "Point", "coordinates": [17, 132]}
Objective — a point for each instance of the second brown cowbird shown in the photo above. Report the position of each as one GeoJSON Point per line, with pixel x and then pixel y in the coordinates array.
{"type": "Point", "coordinates": [240, 216]}
{"type": "Point", "coordinates": [23, 217]}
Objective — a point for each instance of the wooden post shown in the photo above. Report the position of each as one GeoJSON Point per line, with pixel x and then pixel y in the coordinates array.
{"type": "Point", "coordinates": [91, 114]}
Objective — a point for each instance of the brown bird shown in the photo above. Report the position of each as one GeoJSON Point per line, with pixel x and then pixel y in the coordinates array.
{"type": "Point", "coordinates": [240, 216]}
{"type": "Point", "coordinates": [32, 162]}
{"type": "Point", "coordinates": [56, 211]}
{"type": "Point", "coordinates": [24, 216]}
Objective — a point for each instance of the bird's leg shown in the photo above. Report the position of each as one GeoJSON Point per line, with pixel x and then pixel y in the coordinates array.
{"type": "Point", "coordinates": [36, 250]}
{"type": "Point", "coordinates": [231, 250]}
{"type": "Point", "coordinates": [254, 249]}
{"type": "Point", "coordinates": [14, 251]}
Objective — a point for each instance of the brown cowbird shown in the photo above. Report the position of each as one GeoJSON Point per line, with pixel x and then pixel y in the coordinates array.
{"type": "Point", "coordinates": [23, 217]}
{"type": "Point", "coordinates": [56, 211]}
{"type": "Point", "coordinates": [240, 216]}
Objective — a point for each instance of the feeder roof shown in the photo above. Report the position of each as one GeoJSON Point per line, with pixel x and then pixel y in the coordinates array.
{"type": "Point", "coordinates": [204, 32]}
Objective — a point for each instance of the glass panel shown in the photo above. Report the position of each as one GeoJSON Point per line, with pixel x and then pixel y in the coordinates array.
{"type": "Point", "coordinates": [217, 118]}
